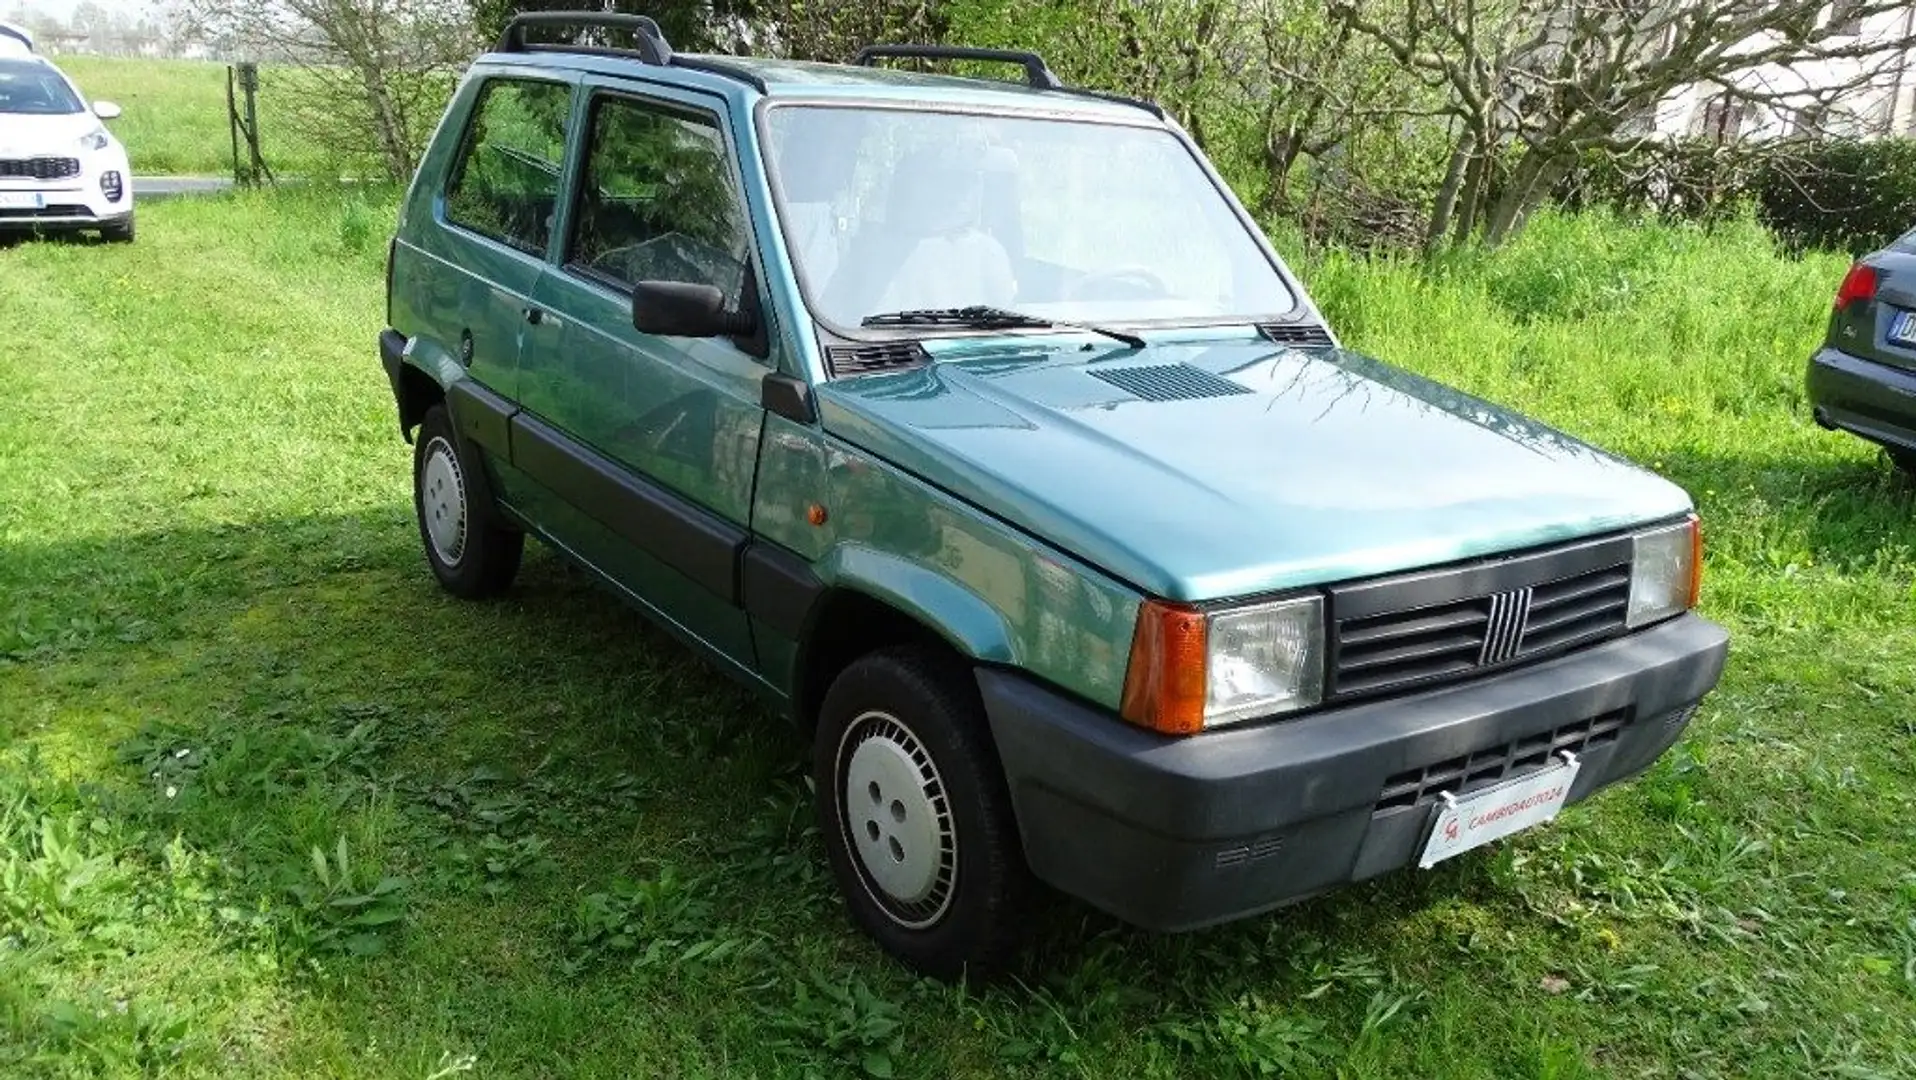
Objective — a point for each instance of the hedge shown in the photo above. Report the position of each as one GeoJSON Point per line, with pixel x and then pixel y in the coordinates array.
{"type": "Point", "coordinates": [1841, 195]}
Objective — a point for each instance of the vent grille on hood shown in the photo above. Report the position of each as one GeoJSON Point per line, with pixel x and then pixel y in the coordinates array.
{"type": "Point", "coordinates": [848, 360]}
{"type": "Point", "coordinates": [1169, 382]}
{"type": "Point", "coordinates": [1295, 333]}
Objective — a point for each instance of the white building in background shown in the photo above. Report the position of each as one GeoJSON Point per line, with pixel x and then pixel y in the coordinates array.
{"type": "Point", "coordinates": [1818, 98]}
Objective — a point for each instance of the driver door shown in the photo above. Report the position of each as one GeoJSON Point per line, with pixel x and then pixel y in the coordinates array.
{"type": "Point", "coordinates": [655, 196]}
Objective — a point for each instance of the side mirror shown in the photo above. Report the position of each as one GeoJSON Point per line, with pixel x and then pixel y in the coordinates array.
{"type": "Point", "coordinates": [686, 309]}
{"type": "Point", "coordinates": [106, 110]}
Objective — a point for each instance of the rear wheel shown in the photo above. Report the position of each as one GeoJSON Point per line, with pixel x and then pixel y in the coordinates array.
{"type": "Point", "coordinates": [915, 816]}
{"type": "Point", "coordinates": [1902, 458]}
{"type": "Point", "coordinates": [471, 549]}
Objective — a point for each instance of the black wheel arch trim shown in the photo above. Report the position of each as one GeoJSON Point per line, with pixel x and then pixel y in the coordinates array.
{"type": "Point", "coordinates": [392, 357]}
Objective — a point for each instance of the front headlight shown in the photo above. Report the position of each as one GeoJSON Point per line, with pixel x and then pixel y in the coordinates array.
{"type": "Point", "coordinates": [1191, 670]}
{"type": "Point", "coordinates": [94, 140]}
{"type": "Point", "coordinates": [1666, 572]}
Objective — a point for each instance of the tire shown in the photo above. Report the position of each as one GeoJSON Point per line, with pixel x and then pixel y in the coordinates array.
{"type": "Point", "coordinates": [121, 233]}
{"type": "Point", "coordinates": [1902, 458]}
{"type": "Point", "coordinates": [471, 549]}
{"type": "Point", "coordinates": [916, 819]}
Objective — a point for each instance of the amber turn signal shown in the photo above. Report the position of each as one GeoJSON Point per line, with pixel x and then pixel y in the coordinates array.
{"type": "Point", "coordinates": [1696, 559]}
{"type": "Point", "coordinates": [1164, 686]}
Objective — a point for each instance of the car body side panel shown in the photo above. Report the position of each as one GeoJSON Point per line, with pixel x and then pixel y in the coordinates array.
{"type": "Point", "coordinates": [464, 294]}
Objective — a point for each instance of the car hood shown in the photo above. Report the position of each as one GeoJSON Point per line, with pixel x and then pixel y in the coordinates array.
{"type": "Point", "coordinates": [23, 135]}
{"type": "Point", "coordinates": [1200, 472]}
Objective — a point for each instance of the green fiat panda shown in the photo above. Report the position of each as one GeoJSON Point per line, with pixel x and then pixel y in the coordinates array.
{"type": "Point", "coordinates": [975, 424]}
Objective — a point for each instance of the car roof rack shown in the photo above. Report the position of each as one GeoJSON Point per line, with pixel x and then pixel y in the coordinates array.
{"type": "Point", "coordinates": [651, 46]}
{"type": "Point", "coordinates": [1038, 74]}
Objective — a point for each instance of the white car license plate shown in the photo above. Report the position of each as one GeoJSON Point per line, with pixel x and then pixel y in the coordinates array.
{"type": "Point", "coordinates": [1902, 329]}
{"type": "Point", "coordinates": [22, 200]}
{"type": "Point", "coordinates": [1496, 812]}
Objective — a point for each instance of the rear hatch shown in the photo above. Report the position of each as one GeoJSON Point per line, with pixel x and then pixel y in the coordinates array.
{"type": "Point", "coordinates": [1875, 312]}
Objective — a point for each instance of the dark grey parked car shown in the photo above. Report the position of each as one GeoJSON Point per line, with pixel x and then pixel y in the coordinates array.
{"type": "Point", "coordinates": [1863, 379]}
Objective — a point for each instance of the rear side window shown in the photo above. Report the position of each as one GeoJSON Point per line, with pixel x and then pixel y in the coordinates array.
{"type": "Point", "coordinates": [505, 183]}
{"type": "Point", "coordinates": [657, 202]}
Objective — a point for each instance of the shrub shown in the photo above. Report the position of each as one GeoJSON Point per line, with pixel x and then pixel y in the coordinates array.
{"type": "Point", "coordinates": [1842, 196]}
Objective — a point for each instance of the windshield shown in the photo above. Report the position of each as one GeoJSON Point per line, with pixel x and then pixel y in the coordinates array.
{"type": "Point", "coordinates": [891, 210]}
{"type": "Point", "coordinates": [35, 89]}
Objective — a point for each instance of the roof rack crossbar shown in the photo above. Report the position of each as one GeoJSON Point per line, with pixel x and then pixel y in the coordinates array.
{"type": "Point", "coordinates": [652, 46]}
{"type": "Point", "coordinates": [721, 69]}
{"type": "Point", "coordinates": [1037, 75]}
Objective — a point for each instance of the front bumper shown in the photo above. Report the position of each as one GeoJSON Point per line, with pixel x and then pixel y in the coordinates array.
{"type": "Point", "coordinates": [1862, 397]}
{"type": "Point", "coordinates": [76, 202]}
{"type": "Point", "coordinates": [1176, 834]}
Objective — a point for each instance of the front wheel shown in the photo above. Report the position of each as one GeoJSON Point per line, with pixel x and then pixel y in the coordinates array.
{"type": "Point", "coordinates": [120, 232]}
{"type": "Point", "coordinates": [472, 552]}
{"type": "Point", "coordinates": [1902, 458]}
{"type": "Point", "coordinates": [915, 816]}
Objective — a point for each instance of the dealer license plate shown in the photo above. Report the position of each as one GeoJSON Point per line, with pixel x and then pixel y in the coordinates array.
{"type": "Point", "coordinates": [1902, 329]}
{"type": "Point", "coordinates": [22, 200]}
{"type": "Point", "coordinates": [1496, 812]}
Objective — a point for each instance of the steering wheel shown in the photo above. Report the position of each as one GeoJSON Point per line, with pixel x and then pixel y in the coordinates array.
{"type": "Point", "coordinates": [1144, 284]}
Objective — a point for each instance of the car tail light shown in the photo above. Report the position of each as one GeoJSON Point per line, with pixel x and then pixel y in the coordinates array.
{"type": "Point", "coordinates": [392, 246]}
{"type": "Point", "coordinates": [1858, 285]}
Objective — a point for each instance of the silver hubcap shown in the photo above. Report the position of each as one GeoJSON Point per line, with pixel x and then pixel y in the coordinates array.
{"type": "Point", "coordinates": [897, 820]}
{"type": "Point", "coordinates": [442, 500]}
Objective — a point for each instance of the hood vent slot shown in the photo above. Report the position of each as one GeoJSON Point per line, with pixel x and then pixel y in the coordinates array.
{"type": "Point", "coordinates": [844, 361]}
{"type": "Point", "coordinates": [1169, 382]}
{"type": "Point", "coordinates": [1305, 334]}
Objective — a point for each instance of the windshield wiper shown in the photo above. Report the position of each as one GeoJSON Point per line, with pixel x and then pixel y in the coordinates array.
{"type": "Point", "coordinates": [981, 317]}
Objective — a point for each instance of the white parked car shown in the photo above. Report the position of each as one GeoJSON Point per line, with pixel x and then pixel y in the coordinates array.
{"type": "Point", "coordinates": [61, 170]}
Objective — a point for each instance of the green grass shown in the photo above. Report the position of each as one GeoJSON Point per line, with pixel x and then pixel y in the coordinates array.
{"type": "Point", "coordinates": [272, 805]}
{"type": "Point", "coordinates": [174, 123]}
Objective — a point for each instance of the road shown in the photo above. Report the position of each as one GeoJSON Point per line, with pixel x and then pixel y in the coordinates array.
{"type": "Point", "coordinates": [163, 186]}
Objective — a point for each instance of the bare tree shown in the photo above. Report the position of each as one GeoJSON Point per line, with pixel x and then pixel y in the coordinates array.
{"type": "Point", "coordinates": [372, 76]}
{"type": "Point", "coordinates": [1532, 84]}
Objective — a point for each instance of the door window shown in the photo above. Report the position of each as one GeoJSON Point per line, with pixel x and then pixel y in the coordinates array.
{"type": "Point", "coordinates": [505, 184]}
{"type": "Point", "coordinates": [657, 201]}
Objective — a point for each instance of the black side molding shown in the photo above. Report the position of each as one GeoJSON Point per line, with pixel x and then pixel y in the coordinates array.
{"type": "Point", "coordinates": [779, 588]}
{"type": "Point", "coordinates": [686, 537]}
{"type": "Point", "coordinates": [481, 415]}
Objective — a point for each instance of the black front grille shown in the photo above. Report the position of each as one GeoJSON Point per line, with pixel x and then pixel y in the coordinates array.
{"type": "Point", "coordinates": [51, 210]}
{"type": "Point", "coordinates": [40, 168]}
{"type": "Point", "coordinates": [848, 360]}
{"type": "Point", "coordinates": [1473, 772]}
{"type": "Point", "coordinates": [1443, 624]}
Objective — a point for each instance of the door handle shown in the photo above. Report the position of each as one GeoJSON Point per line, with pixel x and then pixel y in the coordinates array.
{"type": "Point", "coordinates": [535, 316]}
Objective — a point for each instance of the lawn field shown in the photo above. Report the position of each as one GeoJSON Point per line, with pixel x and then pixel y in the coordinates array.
{"type": "Point", "coordinates": [271, 805]}
{"type": "Point", "coordinates": [174, 123]}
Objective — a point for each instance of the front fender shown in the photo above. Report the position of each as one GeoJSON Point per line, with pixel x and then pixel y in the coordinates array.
{"type": "Point", "coordinates": [963, 618]}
